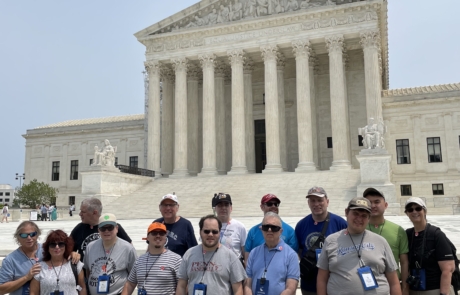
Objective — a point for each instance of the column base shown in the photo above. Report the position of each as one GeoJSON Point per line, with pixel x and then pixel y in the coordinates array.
{"type": "Point", "coordinates": [273, 168]}
{"type": "Point", "coordinates": [238, 170]}
{"type": "Point", "coordinates": [340, 165]}
{"type": "Point", "coordinates": [222, 172]}
{"type": "Point", "coordinates": [208, 172]}
{"type": "Point", "coordinates": [251, 171]}
{"type": "Point", "coordinates": [306, 167]}
{"type": "Point", "coordinates": [179, 173]}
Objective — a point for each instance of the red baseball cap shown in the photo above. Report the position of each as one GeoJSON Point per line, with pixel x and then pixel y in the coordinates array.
{"type": "Point", "coordinates": [269, 197]}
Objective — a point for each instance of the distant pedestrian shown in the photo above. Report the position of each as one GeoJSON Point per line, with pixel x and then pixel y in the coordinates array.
{"type": "Point", "coordinates": [71, 209]}
{"type": "Point", "coordinates": [5, 213]}
{"type": "Point", "coordinates": [54, 213]}
{"type": "Point", "coordinates": [44, 212]}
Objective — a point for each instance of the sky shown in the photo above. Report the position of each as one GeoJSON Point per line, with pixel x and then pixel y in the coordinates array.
{"type": "Point", "coordinates": [64, 60]}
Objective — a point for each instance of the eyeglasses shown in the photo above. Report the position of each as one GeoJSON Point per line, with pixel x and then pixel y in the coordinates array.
{"type": "Point", "coordinates": [60, 244]}
{"type": "Point", "coordinates": [208, 231]}
{"type": "Point", "coordinates": [274, 228]}
{"type": "Point", "coordinates": [168, 205]}
{"type": "Point", "coordinates": [32, 234]}
{"type": "Point", "coordinates": [411, 209]}
{"type": "Point", "coordinates": [271, 204]}
{"type": "Point", "coordinates": [108, 227]}
{"type": "Point", "coordinates": [158, 233]}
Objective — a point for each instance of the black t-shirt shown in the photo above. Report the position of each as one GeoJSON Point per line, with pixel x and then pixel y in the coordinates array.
{"type": "Point", "coordinates": [436, 249]}
{"type": "Point", "coordinates": [180, 237]}
{"type": "Point", "coordinates": [83, 234]}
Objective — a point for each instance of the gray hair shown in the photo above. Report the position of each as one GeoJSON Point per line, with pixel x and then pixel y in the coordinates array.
{"type": "Point", "coordinates": [92, 204]}
{"type": "Point", "coordinates": [22, 225]}
{"type": "Point", "coordinates": [271, 214]}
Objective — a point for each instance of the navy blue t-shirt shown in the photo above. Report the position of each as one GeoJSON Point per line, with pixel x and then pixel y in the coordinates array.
{"type": "Point", "coordinates": [180, 236]}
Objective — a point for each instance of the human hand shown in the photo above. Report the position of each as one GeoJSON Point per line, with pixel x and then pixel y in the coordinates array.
{"type": "Point", "coordinates": [34, 270]}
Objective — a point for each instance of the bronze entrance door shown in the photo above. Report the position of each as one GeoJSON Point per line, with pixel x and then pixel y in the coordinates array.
{"type": "Point", "coordinates": [260, 145]}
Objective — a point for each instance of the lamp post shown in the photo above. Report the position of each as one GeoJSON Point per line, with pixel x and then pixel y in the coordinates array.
{"type": "Point", "coordinates": [20, 177]}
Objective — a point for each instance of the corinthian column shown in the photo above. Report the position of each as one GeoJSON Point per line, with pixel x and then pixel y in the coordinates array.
{"type": "Point", "coordinates": [340, 150]}
{"type": "Point", "coordinates": [301, 50]}
{"type": "Point", "coordinates": [370, 40]}
{"type": "Point", "coordinates": [248, 67]}
{"type": "Point", "coordinates": [180, 116]}
{"type": "Point", "coordinates": [314, 126]}
{"type": "Point", "coordinates": [209, 115]}
{"type": "Point", "coordinates": [167, 121]}
{"type": "Point", "coordinates": [193, 73]}
{"type": "Point", "coordinates": [238, 121]}
{"type": "Point", "coordinates": [154, 143]}
{"type": "Point", "coordinates": [272, 124]}
{"type": "Point", "coordinates": [280, 64]}
{"type": "Point", "coordinates": [221, 139]}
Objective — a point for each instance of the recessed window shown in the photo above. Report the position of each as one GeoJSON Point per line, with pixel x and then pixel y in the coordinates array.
{"type": "Point", "coordinates": [360, 140]}
{"type": "Point", "coordinates": [406, 190]}
{"type": "Point", "coordinates": [74, 170]}
{"type": "Point", "coordinates": [434, 149]}
{"type": "Point", "coordinates": [438, 189]}
{"type": "Point", "coordinates": [402, 151]}
{"type": "Point", "coordinates": [90, 162]}
{"type": "Point", "coordinates": [7, 194]}
{"type": "Point", "coordinates": [1, 200]}
{"type": "Point", "coordinates": [55, 171]}
{"type": "Point", "coordinates": [1, 193]}
{"type": "Point", "coordinates": [133, 161]}
{"type": "Point", "coordinates": [329, 142]}
{"type": "Point", "coordinates": [116, 161]}
{"type": "Point", "coordinates": [71, 200]}
{"type": "Point", "coordinates": [7, 200]}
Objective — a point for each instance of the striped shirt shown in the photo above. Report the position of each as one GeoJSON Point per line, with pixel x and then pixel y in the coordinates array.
{"type": "Point", "coordinates": [156, 273]}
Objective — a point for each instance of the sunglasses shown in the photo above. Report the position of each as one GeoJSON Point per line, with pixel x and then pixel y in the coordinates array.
{"type": "Point", "coordinates": [158, 233]}
{"type": "Point", "coordinates": [271, 204]}
{"type": "Point", "coordinates": [208, 231]}
{"type": "Point", "coordinates": [60, 244]}
{"type": "Point", "coordinates": [411, 209]}
{"type": "Point", "coordinates": [108, 227]}
{"type": "Point", "coordinates": [274, 228]}
{"type": "Point", "coordinates": [32, 234]}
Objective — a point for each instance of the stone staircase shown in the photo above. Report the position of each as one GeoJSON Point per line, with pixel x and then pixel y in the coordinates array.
{"type": "Point", "coordinates": [195, 193]}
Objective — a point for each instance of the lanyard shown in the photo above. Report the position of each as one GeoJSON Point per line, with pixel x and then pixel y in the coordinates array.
{"type": "Point", "coordinates": [425, 231]}
{"type": "Point", "coordinates": [360, 247]}
{"type": "Point", "coordinates": [206, 263]}
{"type": "Point", "coordinates": [146, 264]}
{"type": "Point", "coordinates": [223, 231]}
{"type": "Point", "coordinates": [105, 256]}
{"type": "Point", "coordinates": [381, 229]}
{"type": "Point", "coordinates": [57, 275]}
{"type": "Point", "coordinates": [265, 261]}
{"type": "Point", "coordinates": [28, 258]}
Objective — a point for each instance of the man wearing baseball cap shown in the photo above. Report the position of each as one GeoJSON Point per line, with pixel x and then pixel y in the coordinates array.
{"type": "Point", "coordinates": [155, 272]}
{"type": "Point", "coordinates": [394, 234]}
{"type": "Point", "coordinates": [355, 260]}
{"type": "Point", "coordinates": [269, 203]}
{"type": "Point", "coordinates": [309, 234]}
{"type": "Point", "coordinates": [233, 233]}
{"type": "Point", "coordinates": [109, 259]}
{"type": "Point", "coordinates": [180, 235]}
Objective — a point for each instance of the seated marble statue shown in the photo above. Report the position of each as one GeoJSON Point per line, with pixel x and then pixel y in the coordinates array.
{"type": "Point", "coordinates": [223, 14]}
{"type": "Point", "coordinates": [97, 161]}
{"type": "Point", "coordinates": [212, 17]}
{"type": "Point", "coordinates": [373, 135]}
{"type": "Point", "coordinates": [109, 154]}
{"type": "Point", "coordinates": [237, 10]}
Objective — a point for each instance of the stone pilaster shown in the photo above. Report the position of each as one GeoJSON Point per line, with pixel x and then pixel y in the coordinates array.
{"type": "Point", "coordinates": [167, 121]}
{"type": "Point", "coordinates": [312, 62]}
{"type": "Point", "coordinates": [209, 115]}
{"type": "Point", "coordinates": [451, 141]}
{"type": "Point", "coordinates": [221, 138]}
{"type": "Point", "coordinates": [248, 67]}
{"type": "Point", "coordinates": [48, 165]}
{"type": "Point", "coordinates": [238, 120]}
{"type": "Point", "coordinates": [64, 168]}
{"type": "Point", "coordinates": [420, 147]}
{"type": "Point", "coordinates": [154, 131]}
{"type": "Point", "coordinates": [280, 64]}
{"type": "Point", "coordinates": [193, 76]}
{"type": "Point", "coordinates": [272, 125]}
{"type": "Point", "coordinates": [340, 150]}
{"type": "Point", "coordinates": [228, 117]}
{"type": "Point", "coordinates": [301, 50]}
{"type": "Point", "coordinates": [370, 41]}
{"type": "Point", "coordinates": [180, 118]}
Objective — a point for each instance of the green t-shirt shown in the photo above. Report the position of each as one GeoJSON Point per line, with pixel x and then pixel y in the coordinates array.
{"type": "Point", "coordinates": [396, 237]}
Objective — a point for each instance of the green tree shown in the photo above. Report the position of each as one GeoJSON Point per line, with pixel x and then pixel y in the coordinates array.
{"type": "Point", "coordinates": [35, 193]}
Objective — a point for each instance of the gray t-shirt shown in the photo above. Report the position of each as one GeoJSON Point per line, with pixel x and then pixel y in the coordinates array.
{"type": "Point", "coordinates": [116, 263]}
{"type": "Point", "coordinates": [340, 258]}
{"type": "Point", "coordinates": [223, 270]}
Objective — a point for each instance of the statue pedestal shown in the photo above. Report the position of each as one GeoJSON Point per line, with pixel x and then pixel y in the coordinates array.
{"type": "Point", "coordinates": [376, 172]}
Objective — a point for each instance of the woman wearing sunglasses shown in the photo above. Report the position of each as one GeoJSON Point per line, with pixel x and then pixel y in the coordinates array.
{"type": "Point", "coordinates": [20, 266]}
{"type": "Point", "coordinates": [431, 261]}
{"type": "Point", "coordinates": [56, 276]}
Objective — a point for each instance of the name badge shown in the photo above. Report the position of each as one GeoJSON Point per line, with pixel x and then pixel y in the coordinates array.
{"type": "Point", "coordinates": [141, 291]}
{"type": "Point", "coordinates": [262, 286]}
{"type": "Point", "coordinates": [199, 289]}
{"type": "Point", "coordinates": [318, 253]}
{"type": "Point", "coordinates": [57, 292]}
{"type": "Point", "coordinates": [26, 288]}
{"type": "Point", "coordinates": [103, 283]}
{"type": "Point", "coordinates": [367, 278]}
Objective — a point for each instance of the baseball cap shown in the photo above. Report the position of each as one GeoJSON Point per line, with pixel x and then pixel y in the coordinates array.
{"type": "Point", "coordinates": [317, 191]}
{"type": "Point", "coordinates": [415, 200]}
{"type": "Point", "coordinates": [219, 198]}
{"type": "Point", "coordinates": [268, 197]}
{"type": "Point", "coordinates": [169, 197]}
{"type": "Point", "coordinates": [360, 203]}
{"type": "Point", "coordinates": [373, 192]}
{"type": "Point", "coordinates": [106, 219]}
{"type": "Point", "coordinates": [155, 226]}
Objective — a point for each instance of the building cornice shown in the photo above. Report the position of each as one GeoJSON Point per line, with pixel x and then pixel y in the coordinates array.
{"type": "Point", "coordinates": [421, 90]}
{"type": "Point", "coordinates": [51, 133]}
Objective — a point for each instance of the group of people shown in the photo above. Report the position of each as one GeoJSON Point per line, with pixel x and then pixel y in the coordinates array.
{"type": "Point", "coordinates": [361, 254]}
{"type": "Point", "coordinates": [47, 212]}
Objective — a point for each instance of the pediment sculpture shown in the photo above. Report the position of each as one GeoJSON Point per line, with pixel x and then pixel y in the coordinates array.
{"type": "Point", "coordinates": [373, 134]}
{"type": "Point", "coordinates": [247, 9]}
{"type": "Point", "coordinates": [104, 156]}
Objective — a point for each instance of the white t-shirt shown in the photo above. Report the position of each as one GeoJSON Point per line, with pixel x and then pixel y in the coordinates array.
{"type": "Point", "coordinates": [233, 236]}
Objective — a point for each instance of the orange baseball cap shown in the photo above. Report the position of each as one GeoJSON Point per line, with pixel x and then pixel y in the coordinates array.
{"type": "Point", "coordinates": [155, 226]}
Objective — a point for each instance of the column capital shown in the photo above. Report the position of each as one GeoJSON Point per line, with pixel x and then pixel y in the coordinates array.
{"type": "Point", "coordinates": [269, 52]}
{"type": "Point", "coordinates": [207, 60]}
{"type": "Point", "coordinates": [248, 66]}
{"type": "Point", "coordinates": [370, 39]}
{"type": "Point", "coordinates": [180, 64]}
{"type": "Point", "coordinates": [152, 67]}
{"type": "Point", "coordinates": [334, 43]}
{"type": "Point", "coordinates": [167, 73]}
{"type": "Point", "coordinates": [301, 48]}
{"type": "Point", "coordinates": [236, 56]}
{"type": "Point", "coordinates": [220, 69]}
{"type": "Point", "coordinates": [281, 61]}
{"type": "Point", "coordinates": [193, 72]}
